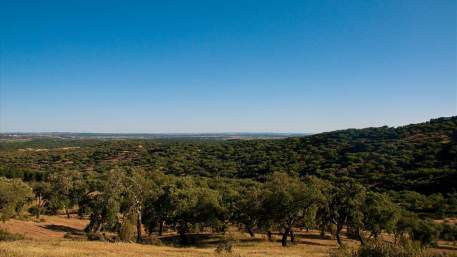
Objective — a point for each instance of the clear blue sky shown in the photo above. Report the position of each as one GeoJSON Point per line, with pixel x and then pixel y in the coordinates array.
{"type": "Point", "coordinates": [214, 66]}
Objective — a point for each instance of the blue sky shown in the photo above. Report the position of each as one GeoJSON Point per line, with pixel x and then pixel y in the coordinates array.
{"type": "Point", "coordinates": [216, 66]}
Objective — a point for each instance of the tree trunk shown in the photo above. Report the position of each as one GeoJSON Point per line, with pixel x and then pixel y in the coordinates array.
{"type": "Point", "coordinates": [337, 234]}
{"type": "Point", "coordinates": [138, 227]}
{"type": "Point", "coordinates": [338, 239]}
{"type": "Point", "coordinates": [90, 226]}
{"type": "Point", "coordinates": [322, 233]}
{"type": "Point", "coordinates": [183, 236]}
{"type": "Point", "coordinates": [98, 227]}
{"type": "Point", "coordinates": [269, 235]}
{"type": "Point", "coordinates": [376, 234]}
{"type": "Point", "coordinates": [360, 236]}
{"type": "Point", "coordinates": [38, 207]}
{"type": "Point", "coordinates": [251, 233]}
{"type": "Point", "coordinates": [182, 230]}
{"type": "Point", "coordinates": [292, 236]}
{"type": "Point", "coordinates": [284, 236]}
{"type": "Point", "coordinates": [161, 228]}
{"type": "Point", "coordinates": [223, 228]}
{"type": "Point", "coordinates": [67, 212]}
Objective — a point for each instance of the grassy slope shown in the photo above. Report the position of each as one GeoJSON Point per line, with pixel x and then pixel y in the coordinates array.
{"type": "Point", "coordinates": [46, 239]}
{"type": "Point", "coordinates": [60, 248]}
{"type": "Point", "coordinates": [51, 227]}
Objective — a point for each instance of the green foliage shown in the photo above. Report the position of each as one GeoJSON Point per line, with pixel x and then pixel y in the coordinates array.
{"type": "Point", "coordinates": [158, 208]}
{"type": "Point", "coordinates": [434, 205]}
{"type": "Point", "coordinates": [424, 231]}
{"type": "Point", "coordinates": [379, 214]}
{"type": "Point", "coordinates": [345, 203]}
{"type": "Point", "coordinates": [248, 209]}
{"type": "Point", "coordinates": [14, 194]}
{"type": "Point", "coordinates": [288, 201]}
{"type": "Point", "coordinates": [448, 232]}
{"type": "Point", "coordinates": [127, 229]}
{"type": "Point", "coordinates": [194, 205]}
{"type": "Point", "coordinates": [104, 204]}
{"type": "Point", "coordinates": [62, 191]}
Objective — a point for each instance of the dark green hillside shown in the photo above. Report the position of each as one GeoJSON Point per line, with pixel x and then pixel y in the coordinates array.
{"type": "Point", "coordinates": [420, 157]}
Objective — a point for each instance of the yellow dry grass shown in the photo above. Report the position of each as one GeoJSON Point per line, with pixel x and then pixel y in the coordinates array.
{"type": "Point", "coordinates": [66, 248]}
{"type": "Point", "coordinates": [46, 239]}
{"type": "Point", "coordinates": [50, 227]}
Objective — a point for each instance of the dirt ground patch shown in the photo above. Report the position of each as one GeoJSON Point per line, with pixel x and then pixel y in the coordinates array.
{"type": "Point", "coordinates": [51, 227]}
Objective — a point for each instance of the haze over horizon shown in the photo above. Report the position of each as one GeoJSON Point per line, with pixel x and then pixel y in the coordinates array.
{"type": "Point", "coordinates": [234, 66]}
{"type": "Point", "coordinates": [304, 133]}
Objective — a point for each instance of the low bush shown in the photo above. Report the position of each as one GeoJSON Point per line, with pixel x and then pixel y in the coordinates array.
{"type": "Point", "coordinates": [152, 241]}
{"type": "Point", "coordinates": [378, 248]}
{"type": "Point", "coordinates": [226, 243]}
{"type": "Point", "coordinates": [95, 237]}
{"type": "Point", "coordinates": [448, 232]}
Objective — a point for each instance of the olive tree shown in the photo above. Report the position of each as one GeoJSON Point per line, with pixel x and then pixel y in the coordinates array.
{"type": "Point", "coordinates": [193, 205]}
{"type": "Point", "coordinates": [248, 208]}
{"type": "Point", "coordinates": [14, 194]}
{"type": "Point", "coordinates": [379, 214]}
{"type": "Point", "coordinates": [345, 206]}
{"type": "Point", "coordinates": [288, 200]}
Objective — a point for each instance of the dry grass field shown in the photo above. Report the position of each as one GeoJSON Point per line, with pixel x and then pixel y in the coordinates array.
{"type": "Point", "coordinates": [45, 238]}
{"type": "Point", "coordinates": [61, 248]}
{"type": "Point", "coordinates": [50, 227]}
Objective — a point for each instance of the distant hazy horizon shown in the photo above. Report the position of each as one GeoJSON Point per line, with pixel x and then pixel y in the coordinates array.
{"type": "Point", "coordinates": [304, 133]}
{"type": "Point", "coordinates": [225, 67]}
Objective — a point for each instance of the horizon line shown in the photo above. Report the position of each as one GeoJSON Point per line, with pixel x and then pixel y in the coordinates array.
{"type": "Point", "coordinates": [224, 132]}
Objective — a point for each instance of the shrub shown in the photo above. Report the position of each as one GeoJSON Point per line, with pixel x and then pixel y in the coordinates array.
{"type": "Point", "coordinates": [343, 251]}
{"type": "Point", "coordinates": [127, 231]}
{"type": "Point", "coordinates": [33, 210]}
{"type": "Point", "coordinates": [152, 241]}
{"type": "Point", "coordinates": [426, 232]}
{"type": "Point", "coordinates": [225, 245]}
{"type": "Point", "coordinates": [377, 248]}
{"type": "Point", "coordinates": [385, 249]}
{"type": "Point", "coordinates": [95, 237]}
{"type": "Point", "coordinates": [448, 232]}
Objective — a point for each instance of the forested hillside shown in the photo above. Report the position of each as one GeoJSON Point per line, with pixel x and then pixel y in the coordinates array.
{"type": "Point", "coordinates": [355, 184]}
{"type": "Point", "coordinates": [419, 157]}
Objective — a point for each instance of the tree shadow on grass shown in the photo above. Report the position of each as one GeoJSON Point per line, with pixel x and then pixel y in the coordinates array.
{"type": "Point", "coordinates": [312, 236]}
{"type": "Point", "coordinates": [202, 240]}
{"type": "Point", "coordinates": [208, 240]}
{"type": "Point", "coordinates": [310, 243]}
{"type": "Point", "coordinates": [62, 228]}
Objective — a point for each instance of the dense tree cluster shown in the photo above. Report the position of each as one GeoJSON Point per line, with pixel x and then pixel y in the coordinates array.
{"type": "Point", "coordinates": [127, 202]}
